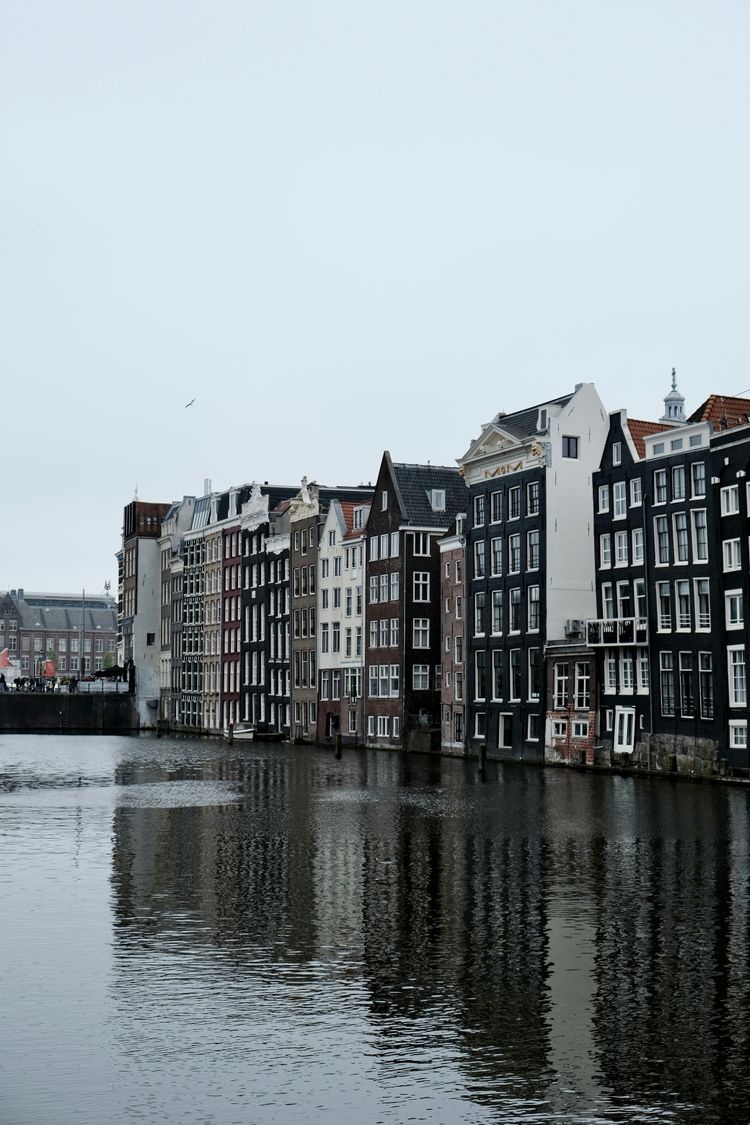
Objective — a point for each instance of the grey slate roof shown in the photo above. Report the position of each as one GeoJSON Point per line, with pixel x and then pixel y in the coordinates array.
{"type": "Point", "coordinates": [524, 423]}
{"type": "Point", "coordinates": [415, 483]}
{"type": "Point", "coordinates": [63, 612]}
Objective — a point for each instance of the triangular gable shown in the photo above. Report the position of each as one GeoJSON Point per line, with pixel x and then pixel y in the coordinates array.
{"type": "Point", "coordinates": [8, 607]}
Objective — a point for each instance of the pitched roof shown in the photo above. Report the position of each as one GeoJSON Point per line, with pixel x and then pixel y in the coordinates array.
{"type": "Point", "coordinates": [524, 423]}
{"type": "Point", "coordinates": [348, 508]}
{"type": "Point", "coordinates": [723, 411]}
{"type": "Point", "coordinates": [415, 484]}
{"type": "Point", "coordinates": [641, 430]}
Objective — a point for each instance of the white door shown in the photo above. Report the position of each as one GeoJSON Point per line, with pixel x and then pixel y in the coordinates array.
{"type": "Point", "coordinates": [625, 729]}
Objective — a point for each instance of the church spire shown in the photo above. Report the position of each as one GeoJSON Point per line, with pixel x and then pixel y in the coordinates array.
{"type": "Point", "coordinates": [674, 404]}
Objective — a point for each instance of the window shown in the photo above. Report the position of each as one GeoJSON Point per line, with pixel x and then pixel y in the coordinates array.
{"type": "Point", "coordinates": [324, 636]}
{"type": "Point", "coordinates": [706, 684]}
{"type": "Point", "coordinates": [515, 674]}
{"type": "Point", "coordinates": [459, 607]}
{"type": "Point", "coordinates": [700, 535]}
{"type": "Point", "coordinates": [496, 547]}
{"type": "Point", "coordinates": [383, 725]}
{"type": "Point", "coordinates": [373, 551]}
{"type": "Point", "coordinates": [394, 544]}
{"type": "Point", "coordinates": [680, 537]}
{"type": "Point", "coordinates": [497, 674]}
{"type": "Point", "coordinates": [580, 728]}
{"type": "Point", "coordinates": [514, 610]}
{"type": "Point", "coordinates": [603, 497]}
{"type": "Point", "coordinates": [660, 486]}
{"type": "Point", "coordinates": [532, 728]}
{"type": "Point", "coordinates": [560, 728]}
{"type": "Point", "coordinates": [532, 550]}
{"type": "Point", "coordinates": [534, 674]}
{"type": "Point", "coordinates": [496, 507]}
{"type": "Point", "coordinates": [666, 682]}
{"type": "Point", "coordinates": [394, 632]}
{"type": "Point", "coordinates": [421, 543]}
{"type": "Point", "coordinates": [422, 585]}
{"type": "Point", "coordinates": [479, 603]}
{"type": "Point", "coordinates": [384, 500]}
{"type": "Point", "coordinates": [682, 604]}
{"type": "Point", "coordinates": [532, 498]}
{"type": "Point", "coordinates": [478, 511]}
{"type": "Point", "coordinates": [394, 585]}
{"type": "Point", "coordinates": [738, 734]}
{"type": "Point", "coordinates": [643, 674]}
{"type": "Point", "coordinates": [639, 596]}
{"type": "Point", "coordinates": [532, 609]}
{"type": "Point", "coordinates": [619, 500]}
{"type": "Point", "coordinates": [459, 650]}
{"type": "Point", "coordinates": [421, 632]}
{"type": "Point", "coordinates": [616, 453]}
{"type": "Point", "coordinates": [420, 678]}
{"type": "Point", "coordinates": [733, 609]}
{"type": "Point", "coordinates": [686, 684]}
{"type": "Point", "coordinates": [497, 611]}
{"type": "Point", "coordinates": [661, 540]}
{"type": "Point", "coordinates": [560, 686]}
{"type": "Point", "coordinates": [637, 539]}
{"type": "Point", "coordinates": [480, 685]}
{"type": "Point", "coordinates": [702, 605]}
{"type": "Point", "coordinates": [383, 632]}
{"type": "Point", "coordinates": [730, 500]}
{"type": "Point", "coordinates": [514, 554]}
{"type": "Point", "coordinates": [480, 724]}
{"type": "Point", "coordinates": [336, 637]}
{"type": "Point", "coordinates": [621, 548]}
{"type": "Point", "coordinates": [737, 684]}
{"type": "Point", "coordinates": [458, 686]}
{"type": "Point", "coordinates": [582, 685]}
{"type": "Point", "coordinates": [437, 499]}
{"type": "Point", "coordinates": [479, 558]}
{"type": "Point", "coordinates": [730, 550]}
{"type": "Point", "coordinates": [627, 681]}
{"type": "Point", "coordinates": [678, 482]}
{"type": "Point", "coordinates": [663, 607]}
{"type": "Point", "coordinates": [514, 502]}
{"type": "Point", "coordinates": [636, 493]}
{"type": "Point", "coordinates": [569, 447]}
{"type": "Point", "coordinates": [608, 602]}
{"type": "Point", "coordinates": [610, 671]}
{"type": "Point", "coordinates": [605, 551]}
{"type": "Point", "coordinates": [698, 479]}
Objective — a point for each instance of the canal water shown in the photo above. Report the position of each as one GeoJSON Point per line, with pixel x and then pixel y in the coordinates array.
{"type": "Point", "coordinates": [211, 934]}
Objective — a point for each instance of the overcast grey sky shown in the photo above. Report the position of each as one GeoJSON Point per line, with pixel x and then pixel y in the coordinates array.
{"type": "Point", "coordinates": [344, 227]}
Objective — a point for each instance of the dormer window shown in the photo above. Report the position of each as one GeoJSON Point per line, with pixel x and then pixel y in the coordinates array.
{"type": "Point", "coordinates": [542, 420]}
{"type": "Point", "coordinates": [437, 499]}
{"type": "Point", "coordinates": [358, 517]}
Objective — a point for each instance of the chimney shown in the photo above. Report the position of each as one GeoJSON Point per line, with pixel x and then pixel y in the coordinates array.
{"type": "Point", "coordinates": [206, 485]}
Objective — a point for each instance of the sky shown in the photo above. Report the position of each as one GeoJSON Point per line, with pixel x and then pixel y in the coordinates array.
{"type": "Point", "coordinates": [346, 227]}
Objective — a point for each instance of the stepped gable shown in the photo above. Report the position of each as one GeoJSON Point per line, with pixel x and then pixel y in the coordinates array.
{"type": "Point", "coordinates": [723, 412]}
{"type": "Point", "coordinates": [640, 430]}
{"type": "Point", "coordinates": [415, 483]}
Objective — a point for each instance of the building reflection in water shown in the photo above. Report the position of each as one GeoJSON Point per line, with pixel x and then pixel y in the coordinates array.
{"type": "Point", "coordinates": [552, 937]}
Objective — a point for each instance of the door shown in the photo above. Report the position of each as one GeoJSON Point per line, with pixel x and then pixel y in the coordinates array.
{"type": "Point", "coordinates": [624, 729]}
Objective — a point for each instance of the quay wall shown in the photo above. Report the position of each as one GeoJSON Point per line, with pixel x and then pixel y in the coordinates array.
{"type": "Point", "coordinates": [53, 713]}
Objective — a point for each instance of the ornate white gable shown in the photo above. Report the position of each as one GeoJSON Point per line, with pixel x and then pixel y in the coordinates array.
{"type": "Point", "coordinates": [497, 453]}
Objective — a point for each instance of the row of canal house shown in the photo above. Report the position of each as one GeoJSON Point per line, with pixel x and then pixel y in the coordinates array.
{"type": "Point", "coordinates": [607, 573]}
{"type": "Point", "coordinates": [573, 591]}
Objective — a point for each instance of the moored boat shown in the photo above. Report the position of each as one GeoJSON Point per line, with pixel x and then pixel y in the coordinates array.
{"type": "Point", "coordinates": [243, 732]}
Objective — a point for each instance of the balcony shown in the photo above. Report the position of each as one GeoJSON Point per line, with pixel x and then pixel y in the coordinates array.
{"type": "Point", "coordinates": [617, 631]}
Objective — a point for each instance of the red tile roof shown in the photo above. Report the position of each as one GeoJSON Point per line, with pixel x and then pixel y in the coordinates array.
{"type": "Point", "coordinates": [347, 508]}
{"type": "Point", "coordinates": [723, 411]}
{"type": "Point", "coordinates": [641, 430]}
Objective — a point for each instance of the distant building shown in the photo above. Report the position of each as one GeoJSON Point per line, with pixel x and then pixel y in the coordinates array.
{"type": "Point", "coordinates": [139, 602]}
{"type": "Point", "coordinates": [56, 634]}
{"type": "Point", "coordinates": [530, 565]}
{"type": "Point", "coordinates": [452, 628]}
{"type": "Point", "coordinates": [413, 507]}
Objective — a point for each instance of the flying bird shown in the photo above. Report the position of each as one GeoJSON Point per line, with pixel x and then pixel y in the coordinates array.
{"type": "Point", "coordinates": [187, 404]}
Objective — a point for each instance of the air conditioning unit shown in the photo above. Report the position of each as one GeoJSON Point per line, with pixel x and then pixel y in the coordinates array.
{"type": "Point", "coordinates": [574, 627]}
